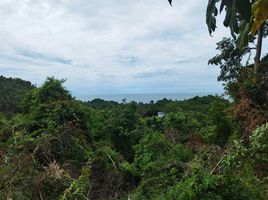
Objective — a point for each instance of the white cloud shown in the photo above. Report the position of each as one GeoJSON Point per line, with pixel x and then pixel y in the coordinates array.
{"type": "Point", "coordinates": [102, 46]}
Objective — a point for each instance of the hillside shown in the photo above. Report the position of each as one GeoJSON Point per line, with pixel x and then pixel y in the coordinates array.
{"type": "Point", "coordinates": [12, 91]}
{"type": "Point", "coordinates": [62, 148]}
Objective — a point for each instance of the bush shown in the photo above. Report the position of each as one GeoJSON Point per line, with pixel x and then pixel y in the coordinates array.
{"type": "Point", "coordinates": [204, 186]}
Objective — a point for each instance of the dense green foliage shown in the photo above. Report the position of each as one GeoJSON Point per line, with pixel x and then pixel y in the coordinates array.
{"type": "Point", "coordinates": [58, 147]}
{"type": "Point", "coordinates": [53, 146]}
{"type": "Point", "coordinates": [11, 94]}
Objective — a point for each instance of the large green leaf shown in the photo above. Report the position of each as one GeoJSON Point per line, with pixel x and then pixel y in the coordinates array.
{"type": "Point", "coordinates": [237, 11]}
{"type": "Point", "coordinates": [212, 12]}
{"type": "Point", "coordinates": [243, 38]}
{"type": "Point", "coordinates": [243, 7]}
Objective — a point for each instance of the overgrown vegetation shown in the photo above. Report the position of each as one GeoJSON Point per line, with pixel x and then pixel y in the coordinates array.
{"type": "Point", "coordinates": [58, 147]}
{"type": "Point", "coordinates": [53, 146]}
{"type": "Point", "coordinates": [11, 94]}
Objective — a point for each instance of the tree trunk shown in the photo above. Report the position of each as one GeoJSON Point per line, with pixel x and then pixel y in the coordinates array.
{"type": "Point", "coordinates": [258, 53]}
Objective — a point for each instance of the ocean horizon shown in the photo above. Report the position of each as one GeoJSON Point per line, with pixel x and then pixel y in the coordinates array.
{"type": "Point", "coordinates": [144, 97]}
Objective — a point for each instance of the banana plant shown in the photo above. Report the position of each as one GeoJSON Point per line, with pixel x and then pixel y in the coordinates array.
{"type": "Point", "coordinates": [244, 18]}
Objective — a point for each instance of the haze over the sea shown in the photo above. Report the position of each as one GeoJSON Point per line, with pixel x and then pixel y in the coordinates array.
{"type": "Point", "coordinates": [144, 98]}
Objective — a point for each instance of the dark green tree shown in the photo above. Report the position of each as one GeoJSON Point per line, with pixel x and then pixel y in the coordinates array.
{"type": "Point", "coordinates": [12, 92]}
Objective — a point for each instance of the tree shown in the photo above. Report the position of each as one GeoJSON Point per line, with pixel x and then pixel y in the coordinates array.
{"type": "Point", "coordinates": [244, 18]}
{"type": "Point", "coordinates": [12, 93]}
{"type": "Point", "coordinates": [229, 59]}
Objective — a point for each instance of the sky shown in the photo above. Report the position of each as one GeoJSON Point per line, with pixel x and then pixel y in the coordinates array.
{"type": "Point", "coordinates": [110, 46]}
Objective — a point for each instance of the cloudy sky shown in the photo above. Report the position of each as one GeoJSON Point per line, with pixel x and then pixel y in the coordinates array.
{"type": "Point", "coordinates": [110, 46]}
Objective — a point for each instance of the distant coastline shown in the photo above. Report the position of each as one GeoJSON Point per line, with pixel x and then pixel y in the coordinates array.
{"type": "Point", "coordinates": [144, 98]}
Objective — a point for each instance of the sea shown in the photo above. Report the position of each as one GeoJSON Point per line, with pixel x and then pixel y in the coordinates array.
{"type": "Point", "coordinates": [144, 98]}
